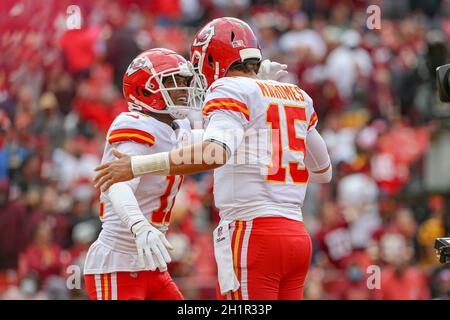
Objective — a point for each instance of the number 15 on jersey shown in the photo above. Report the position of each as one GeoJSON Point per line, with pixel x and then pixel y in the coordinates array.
{"type": "Point", "coordinates": [288, 143]}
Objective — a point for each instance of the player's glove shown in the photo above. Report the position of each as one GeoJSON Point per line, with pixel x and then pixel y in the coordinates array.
{"type": "Point", "coordinates": [150, 243]}
{"type": "Point", "coordinates": [271, 70]}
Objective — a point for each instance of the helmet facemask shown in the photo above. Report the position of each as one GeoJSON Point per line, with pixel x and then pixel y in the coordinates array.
{"type": "Point", "coordinates": [201, 86]}
{"type": "Point", "coordinates": [177, 109]}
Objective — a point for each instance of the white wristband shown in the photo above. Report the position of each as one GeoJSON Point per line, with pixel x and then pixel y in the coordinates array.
{"type": "Point", "coordinates": [153, 164]}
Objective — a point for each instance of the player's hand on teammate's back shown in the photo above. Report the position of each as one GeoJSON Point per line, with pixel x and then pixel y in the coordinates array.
{"type": "Point", "coordinates": [150, 243]}
{"type": "Point", "coordinates": [114, 171]}
{"type": "Point", "coordinates": [271, 70]}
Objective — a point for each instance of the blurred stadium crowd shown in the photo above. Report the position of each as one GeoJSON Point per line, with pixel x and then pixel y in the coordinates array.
{"type": "Point", "coordinates": [373, 91]}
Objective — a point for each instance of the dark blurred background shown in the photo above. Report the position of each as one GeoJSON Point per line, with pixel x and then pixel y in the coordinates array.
{"type": "Point", "coordinates": [374, 92]}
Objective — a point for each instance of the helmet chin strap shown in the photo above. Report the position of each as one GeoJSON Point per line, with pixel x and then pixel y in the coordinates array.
{"type": "Point", "coordinates": [141, 104]}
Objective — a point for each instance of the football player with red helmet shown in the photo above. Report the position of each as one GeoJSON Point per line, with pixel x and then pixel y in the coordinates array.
{"type": "Point", "coordinates": [260, 138]}
{"type": "Point", "coordinates": [129, 258]}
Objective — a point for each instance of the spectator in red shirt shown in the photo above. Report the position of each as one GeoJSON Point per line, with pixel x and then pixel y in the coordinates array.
{"type": "Point", "coordinates": [400, 280]}
{"type": "Point", "coordinates": [333, 235]}
{"type": "Point", "coordinates": [78, 46]}
{"type": "Point", "coordinates": [42, 256]}
{"type": "Point", "coordinates": [12, 237]}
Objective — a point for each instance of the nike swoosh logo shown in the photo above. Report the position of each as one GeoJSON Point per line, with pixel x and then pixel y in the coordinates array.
{"type": "Point", "coordinates": [215, 87]}
{"type": "Point", "coordinates": [133, 116]}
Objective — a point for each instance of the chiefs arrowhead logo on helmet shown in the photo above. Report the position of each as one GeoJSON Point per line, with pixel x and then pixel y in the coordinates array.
{"type": "Point", "coordinates": [137, 64]}
{"type": "Point", "coordinates": [204, 36]}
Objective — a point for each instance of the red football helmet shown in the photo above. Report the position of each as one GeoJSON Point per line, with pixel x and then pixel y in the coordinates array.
{"type": "Point", "coordinates": [143, 86]}
{"type": "Point", "coordinates": [219, 44]}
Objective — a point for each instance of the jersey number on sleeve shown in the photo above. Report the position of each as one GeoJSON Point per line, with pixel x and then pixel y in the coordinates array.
{"type": "Point", "coordinates": [277, 170]}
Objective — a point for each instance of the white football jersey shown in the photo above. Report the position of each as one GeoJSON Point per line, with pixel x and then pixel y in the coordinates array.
{"type": "Point", "coordinates": [266, 176]}
{"type": "Point", "coordinates": [136, 134]}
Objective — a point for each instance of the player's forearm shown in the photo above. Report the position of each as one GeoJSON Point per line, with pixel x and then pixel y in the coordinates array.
{"type": "Point", "coordinates": [125, 204]}
{"type": "Point", "coordinates": [197, 158]}
{"type": "Point", "coordinates": [317, 158]}
{"type": "Point", "coordinates": [188, 160]}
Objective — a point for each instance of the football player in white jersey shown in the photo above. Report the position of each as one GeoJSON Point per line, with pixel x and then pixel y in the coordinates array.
{"type": "Point", "coordinates": [260, 138]}
{"type": "Point", "coordinates": [129, 258]}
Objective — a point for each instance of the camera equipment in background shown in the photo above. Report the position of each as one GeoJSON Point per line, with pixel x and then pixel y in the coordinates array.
{"type": "Point", "coordinates": [442, 245]}
{"type": "Point", "coordinates": [443, 82]}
